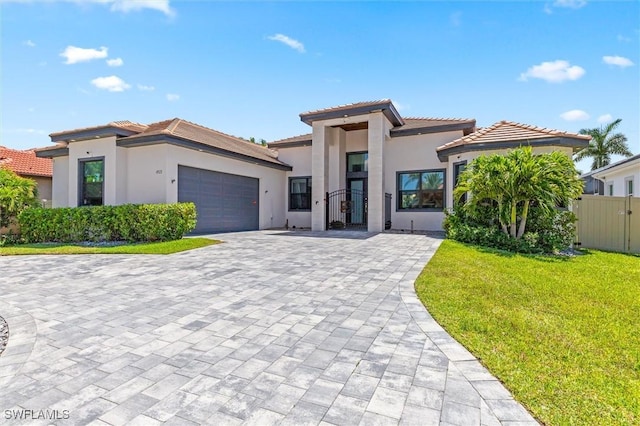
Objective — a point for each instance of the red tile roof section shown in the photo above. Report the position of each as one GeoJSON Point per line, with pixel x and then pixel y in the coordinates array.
{"type": "Point", "coordinates": [25, 162]}
{"type": "Point", "coordinates": [504, 131]}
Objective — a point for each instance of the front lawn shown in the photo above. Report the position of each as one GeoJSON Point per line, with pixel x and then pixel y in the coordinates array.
{"type": "Point", "coordinates": [165, 247]}
{"type": "Point", "coordinates": [563, 334]}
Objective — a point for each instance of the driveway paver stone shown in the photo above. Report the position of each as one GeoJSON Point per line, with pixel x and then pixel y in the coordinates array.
{"type": "Point", "coordinates": [270, 327]}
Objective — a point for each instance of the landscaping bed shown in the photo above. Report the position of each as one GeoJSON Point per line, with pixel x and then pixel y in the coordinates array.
{"type": "Point", "coordinates": [561, 332]}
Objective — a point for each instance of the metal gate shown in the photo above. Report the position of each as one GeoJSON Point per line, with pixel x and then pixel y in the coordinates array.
{"type": "Point", "coordinates": [346, 209]}
{"type": "Point", "coordinates": [607, 223]}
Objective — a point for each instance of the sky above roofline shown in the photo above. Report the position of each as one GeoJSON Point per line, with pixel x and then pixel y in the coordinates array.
{"type": "Point", "coordinates": [250, 68]}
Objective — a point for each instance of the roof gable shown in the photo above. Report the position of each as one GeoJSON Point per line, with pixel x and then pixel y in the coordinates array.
{"type": "Point", "coordinates": [358, 108]}
{"type": "Point", "coordinates": [509, 134]}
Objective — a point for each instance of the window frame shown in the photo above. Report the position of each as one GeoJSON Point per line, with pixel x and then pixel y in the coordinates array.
{"type": "Point", "coordinates": [627, 181]}
{"type": "Point", "coordinates": [399, 191]}
{"type": "Point", "coordinates": [310, 191]}
{"type": "Point", "coordinates": [610, 190]}
{"type": "Point", "coordinates": [456, 165]}
{"type": "Point", "coordinates": [81, 182]}
{"type": "Point", "coordinates": [365, 165]}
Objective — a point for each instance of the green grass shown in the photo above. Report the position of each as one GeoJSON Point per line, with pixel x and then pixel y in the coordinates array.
{"type": "Point", "coordinates": [166, 247]}
{"type": "Point", "coordinates": [563, 334]}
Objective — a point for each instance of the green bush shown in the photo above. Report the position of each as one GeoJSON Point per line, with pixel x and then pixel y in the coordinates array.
{"type": "Point", "coordinates": [547, 232]}
{"type": "Point", "coordinates": [16, 194]}
{"type": "Point", "coordinates": [129, 222]}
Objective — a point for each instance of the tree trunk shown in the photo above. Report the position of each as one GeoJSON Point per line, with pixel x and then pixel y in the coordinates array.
{"type": "Point", "coordinates": [513, 219]}
{"type": "Point", "coordinates": [523, 219]}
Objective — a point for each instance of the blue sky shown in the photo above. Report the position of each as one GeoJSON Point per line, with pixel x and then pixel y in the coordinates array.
{"type": "Point", "coordinates": [249, 68]}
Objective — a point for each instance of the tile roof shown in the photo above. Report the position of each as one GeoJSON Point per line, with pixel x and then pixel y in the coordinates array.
{"type": "Point", "coordinates": [123, 124]}
{"type": "Point", "coordinates": [25, 162]}
{"type": "Point", "coordinates": [509, 131]}
{"type": "Point", "coordinates": [194, 132]}
{"type": "Point", "coordinates": [380, 102]}
{"type": "Point", "coordinates": [300, 138]}
{"type": "Point", "coordinates": [410, 124]}
{"type": "Point", "coordinates": [358, 108]}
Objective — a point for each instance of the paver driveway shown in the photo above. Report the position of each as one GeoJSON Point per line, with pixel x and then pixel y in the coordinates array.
{"type": "Point", "coordinates": [269, 327]}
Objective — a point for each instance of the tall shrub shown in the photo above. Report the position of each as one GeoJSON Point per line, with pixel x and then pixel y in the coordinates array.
{"type": "Point", "coordinates": [16, 194]}
{"type": "Point", "coordinates": [518, 196]}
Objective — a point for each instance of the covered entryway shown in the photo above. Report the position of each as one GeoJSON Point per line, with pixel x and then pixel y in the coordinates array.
{"type": "Point", "coordinates": [224, 202]}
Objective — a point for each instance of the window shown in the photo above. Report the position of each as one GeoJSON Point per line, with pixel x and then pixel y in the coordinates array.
{"type": "Point", "coordinates": [611, 190]}
{"type": "Point", "coordinates": [299, 193]}
{"type": "Point", "coordinates": [358, 162]}
{"type": "Point", "coordinates": [421, 190]}
{"type": "Point", "coordinates": [91, 182]}
{"type": "Point", "coordinates": [458, 168]}
{"type": "Point", "coordinates": [628, 185]}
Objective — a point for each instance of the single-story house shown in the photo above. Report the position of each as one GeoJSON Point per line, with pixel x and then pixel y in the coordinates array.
{"type": "Point", "coordinates": [620, 178]}
{"type": "Point", "coordinates": [362, 166]}
{"type": "Point", "coordinates": [28, 165]}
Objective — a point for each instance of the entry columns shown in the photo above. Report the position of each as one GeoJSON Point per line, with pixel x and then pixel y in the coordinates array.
{"type": "Point", "coordinates": [319, 176]}
{"type": "Point", "coordinates": [376, 138]}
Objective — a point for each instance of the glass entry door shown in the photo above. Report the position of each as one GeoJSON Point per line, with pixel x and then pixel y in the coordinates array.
{"type": "Point", "coordinates": [358, 201]}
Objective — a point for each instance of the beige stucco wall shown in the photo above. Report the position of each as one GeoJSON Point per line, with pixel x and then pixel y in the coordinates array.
{"type": "Point", "coordinates": [101, 147]}
{"type": "Point", "coordinates": [60, 182]}
{"type": "Point", "coordinates": [146, 174]}
{"type": "Point", "coordinates": [272, 194]}
{"type": "Point", "coordinates": [45, 189]}
{"type": "Point", "coordinates": [300, 159]}
{"type": "Point", "coordinates": [415, 153]}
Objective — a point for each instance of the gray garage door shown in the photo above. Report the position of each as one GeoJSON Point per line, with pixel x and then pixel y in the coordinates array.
{"type": "Point", "coordinates": [224, 202]}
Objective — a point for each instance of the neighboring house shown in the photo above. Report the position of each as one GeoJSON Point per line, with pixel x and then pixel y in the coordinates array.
{"type": "Point", "coordinates": [26, 164]}
{"type": "Point", "coordinates": [621, 178]}
{"type": "Point", "coordinates": [363, 166]}
{"type": "Point", "coordinates": [592, 186]}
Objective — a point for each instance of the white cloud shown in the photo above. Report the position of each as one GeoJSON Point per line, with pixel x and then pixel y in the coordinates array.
{"type": "Point", "coordinates": [547, 9]}
{"type": "Point", "coordinates": [605, 118]}
{"type": "Point", "coordinates": [172, 97]}
{"type": "Point", "coordinates": [575, 115]}
{"type": "Point", "coordinates": [623, 38]}
{"type": "Point", "coordinates": [571, 4]}
{"type": "Point", "coordinates": [134, 5]}
{"type": "Point", "coordinates": [553, 72]}
{"type": "Point", "coordinates": [29, 43]}
{"type": "Point", "coordinates": [117, 62]}
{"type": "Point", "coordinates": [111, 83]}
{"type": "Point", "coordinates": [292, 43]}
{"type": "Point", "coordinates": [619, 61]}
{"type": "Point", "coordinates": [144, 88]}
{"type": "Point", "coordinates": [75, 54]}
{"type": "Point", "coordinates": [115, 5]}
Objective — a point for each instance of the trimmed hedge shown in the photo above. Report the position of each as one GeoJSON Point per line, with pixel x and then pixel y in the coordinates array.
{"type": "Point", "coordinates": [129, 222]}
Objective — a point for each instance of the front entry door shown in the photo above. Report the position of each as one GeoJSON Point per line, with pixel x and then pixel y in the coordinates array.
{"type": "Point", "coordinates": [358, 201]}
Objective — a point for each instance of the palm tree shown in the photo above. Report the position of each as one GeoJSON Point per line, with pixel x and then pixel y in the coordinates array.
{"type": "Point", "coordinates": [603, 144]}
{"type": "Point", "coordinates": [515, 181]}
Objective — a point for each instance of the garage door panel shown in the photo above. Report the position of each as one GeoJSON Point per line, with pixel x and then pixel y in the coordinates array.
{"type": "Point", "coordinates": [224, 202]}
